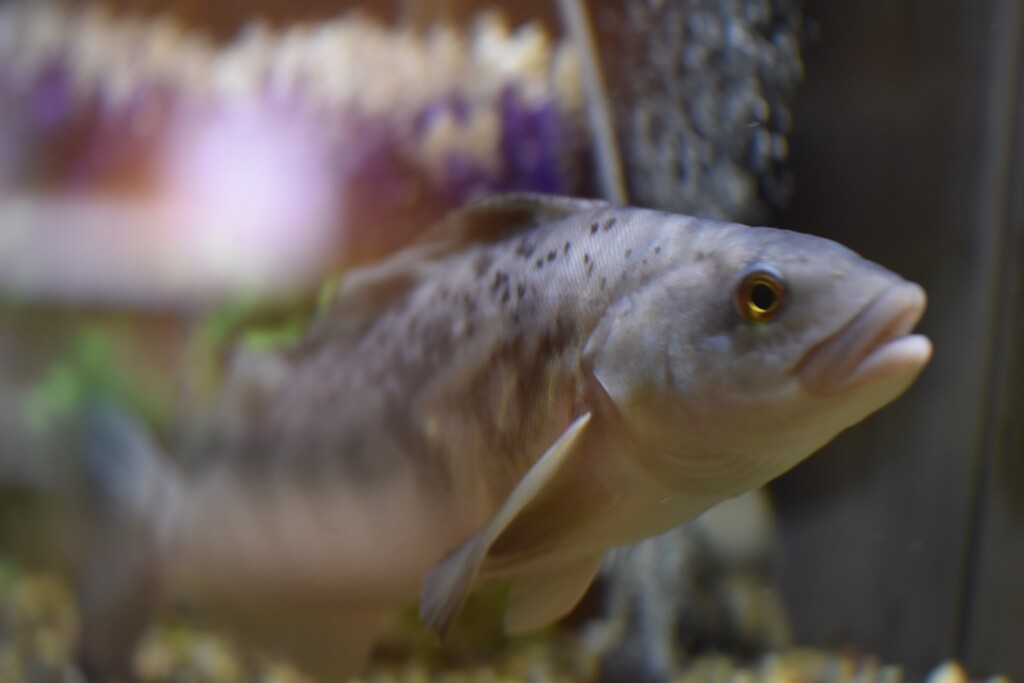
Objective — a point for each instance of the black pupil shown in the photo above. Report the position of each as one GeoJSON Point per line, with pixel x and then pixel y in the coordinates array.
{"type": "Point", "coordinates": [762, 296]}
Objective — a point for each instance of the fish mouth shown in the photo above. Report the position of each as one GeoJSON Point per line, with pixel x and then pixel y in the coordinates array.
{"type": "Point", "coordinates": [876, 344]}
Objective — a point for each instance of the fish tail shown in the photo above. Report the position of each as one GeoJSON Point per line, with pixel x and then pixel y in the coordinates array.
{"type": "Point", "coordinates": [128, 474]}
{"type": "Point", "coordinates": [130, 487]}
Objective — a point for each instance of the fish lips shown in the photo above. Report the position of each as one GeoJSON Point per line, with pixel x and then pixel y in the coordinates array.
{"type": "Point", "coordinates": [875, 345]}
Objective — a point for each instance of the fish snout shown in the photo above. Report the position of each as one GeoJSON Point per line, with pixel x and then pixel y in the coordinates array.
{"type": "Point", "coordinates": [874, 345]}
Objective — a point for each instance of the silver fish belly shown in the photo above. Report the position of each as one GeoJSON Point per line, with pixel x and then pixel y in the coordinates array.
{"type": "Point", "coordinates": [536, 380]}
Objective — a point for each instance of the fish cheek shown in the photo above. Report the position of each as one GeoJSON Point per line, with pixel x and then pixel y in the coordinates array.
{"type": "Point", "coordinates": [626, 361]}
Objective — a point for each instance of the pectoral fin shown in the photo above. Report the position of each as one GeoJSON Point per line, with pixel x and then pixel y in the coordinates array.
{"type": "Point", "coordinates": [448, 585]}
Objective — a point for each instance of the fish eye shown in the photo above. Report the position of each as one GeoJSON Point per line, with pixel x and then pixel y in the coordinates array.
{"type": "Point", "coordinates": [760, 295]}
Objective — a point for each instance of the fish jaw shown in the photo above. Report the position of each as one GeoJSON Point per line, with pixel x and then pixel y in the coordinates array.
{"type": "Point", "coordinates": [874, 347]}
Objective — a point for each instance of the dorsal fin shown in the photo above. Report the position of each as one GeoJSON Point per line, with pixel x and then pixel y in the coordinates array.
{"type": "Point", "coordinates": [500, 216]}
{"type": "Point", "coordinates": [372, 288]}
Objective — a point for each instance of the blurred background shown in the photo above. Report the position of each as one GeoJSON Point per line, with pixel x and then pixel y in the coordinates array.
{"type": "Point", "coordinates": [907, 534]}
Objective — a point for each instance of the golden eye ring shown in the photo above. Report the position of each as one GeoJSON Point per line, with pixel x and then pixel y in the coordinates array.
{"type": "Point", "coordinates": [760, 295]}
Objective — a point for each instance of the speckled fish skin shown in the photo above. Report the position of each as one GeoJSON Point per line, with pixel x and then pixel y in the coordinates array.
{"type": "Point", "coordinates": [537, 379]}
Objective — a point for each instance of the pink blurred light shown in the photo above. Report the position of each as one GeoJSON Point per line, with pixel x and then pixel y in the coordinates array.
{"type": "Point", "coordinates": [253, 194]}
{"type": "Point", "coordinates": [247, 202]}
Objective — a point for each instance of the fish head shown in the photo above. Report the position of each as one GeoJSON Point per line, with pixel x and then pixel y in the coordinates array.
{"type": "Point", "coordinates": [752, 349]}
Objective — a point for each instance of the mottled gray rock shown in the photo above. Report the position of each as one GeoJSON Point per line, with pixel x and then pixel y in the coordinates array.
{"type": "Point", "coordinates": [701, 93]}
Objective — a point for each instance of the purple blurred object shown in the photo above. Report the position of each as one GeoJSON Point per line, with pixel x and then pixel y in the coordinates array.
{"type": "Point", "coordinates": [186, 173]}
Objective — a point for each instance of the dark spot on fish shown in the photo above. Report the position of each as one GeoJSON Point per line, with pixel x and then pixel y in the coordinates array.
{"type": "Point", "coordinates": [482, 263]}
{"type": "Point", "coordinates": [551, 256]}
{"type": "Point", "coordinates": [505, 297]}
{"type": "Point", "coordinates": [525, 248]}
{"type": "Point", "coordinates": [565, 249]}
{"type": "Point", "coordinates": [629, 252]}
{"type": "Point", "coordinates": [594, 228]}
{"type": "Point", "coordinates": [608, 224]}
{"type": "Point", "coordinates": [469, 303]}
{"type": "Point", "coordinates": [699, 256]}
{"type": "Point", "coordinates": [520, 290]}
{"type": "Point", "coordinates": [586, 258]}
{"type": "Point", "coordinates": [539, 263]}
{"type": "Point", "coordinates": [500, 280]}
{"type": "Point", "coordinates": [657, 250]}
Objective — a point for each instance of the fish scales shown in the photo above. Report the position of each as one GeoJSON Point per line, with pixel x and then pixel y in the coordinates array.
{"type": "Point", "coordinates": [534, 381]}
{"type": "Point", "coordinates": [480, 356]}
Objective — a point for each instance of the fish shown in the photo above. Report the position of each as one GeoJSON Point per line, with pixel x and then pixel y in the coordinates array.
{"type": "Point", "coordinates": [537, 379]}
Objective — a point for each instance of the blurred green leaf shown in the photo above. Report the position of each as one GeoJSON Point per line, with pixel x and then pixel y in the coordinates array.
{"type": "Point", "coordinates": [90, 370]}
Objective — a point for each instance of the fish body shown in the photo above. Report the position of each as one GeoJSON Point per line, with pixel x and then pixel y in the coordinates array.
{"type": "Point", "coordinates": [534, 381]}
